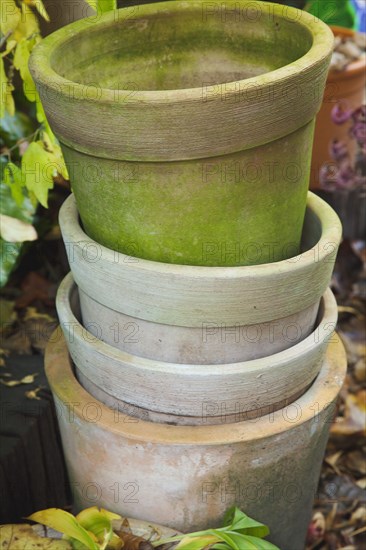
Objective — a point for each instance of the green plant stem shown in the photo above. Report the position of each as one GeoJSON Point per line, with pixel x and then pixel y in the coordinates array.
{"type": "Point", "coordinates": [26, 138]}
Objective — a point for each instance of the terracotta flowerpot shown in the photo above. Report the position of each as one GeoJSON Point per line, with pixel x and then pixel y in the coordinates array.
{"type": "Point", "coordinates": [201, 315]}
{"type": "Point", "coordinates": [192, 394]}
{"type": "Point", "coordinates": [188, 126]}
{"type": "Point", "coordinates": [186, 477]}
{"type": "Point", "coordinates": [342, 86]}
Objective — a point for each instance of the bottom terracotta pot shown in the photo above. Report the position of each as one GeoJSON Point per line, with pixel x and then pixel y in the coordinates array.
{"type": "Point", "coordinates": [186, 477]}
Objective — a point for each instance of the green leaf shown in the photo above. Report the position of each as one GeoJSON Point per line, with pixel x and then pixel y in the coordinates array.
{"type": "Point", "coordinates": [21, 58]}
{"type": "Point", "coordinates": [13, 179]}
{"type": "Point", "coordinates": [38, 4]}
{"type": "Point", "coordinates": [9, 207]}
{"type": "Point", "coordinates": [9, 254]}
{"type": "Point", "coordinates": [228, 539]}
{"type": "Point", "coordinates": [28, 24]}
{"type": "Point", "coordinates": [247, 542]}
{"type": "Point", "coordinates": [16, 127]}
{"type": "Point", "coordinates": [65, 523]}
{"type": "Point", "coordinates": [102, 6]}
{"type": "Point", "coordinates": [196, 543]}
{"type": "Point", "coordinates": [236, 520]}
{"type": "Point", "coordinates": [99, 522]}
{"type": "Point", "coordinates": [6, 98]}
{"type": "Point", "coordinates": [38, 169]}
{"type": "Point", "coordinates": [10, 17]}
{"type": "Point", "coordinates": [239, 532]}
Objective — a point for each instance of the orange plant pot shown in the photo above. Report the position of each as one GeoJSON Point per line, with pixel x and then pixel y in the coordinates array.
{"type": "Point", "coordinates": [342, 86]}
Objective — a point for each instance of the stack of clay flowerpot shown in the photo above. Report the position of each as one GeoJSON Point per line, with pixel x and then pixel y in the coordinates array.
{"type": "Point", "coordinates": [199, 367]}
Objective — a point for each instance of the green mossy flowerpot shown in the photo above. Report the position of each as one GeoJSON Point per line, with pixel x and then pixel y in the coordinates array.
{"type": "Point", "coordinates": [187, 126]}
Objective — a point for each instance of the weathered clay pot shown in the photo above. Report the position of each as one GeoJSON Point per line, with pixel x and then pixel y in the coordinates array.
{"type": "Point", "coordinates": [186, 477]}
{"type": "Point", "coordinates": [202, 315]}
{"type": "Point", "coordinates": [188, 126]}
{"type": "Point", "coordinates": [192, 394]}
{"type": "Point", "coordinates": [342, 86]}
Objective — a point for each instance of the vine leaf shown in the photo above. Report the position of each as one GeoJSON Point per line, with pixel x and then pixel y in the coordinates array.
{"type": "Point", "coordinates": [38, 4]}
{"type": "Point", "coordinates": [102, 6]}
{"type": "Point", "coordinates": [10, 19]}
{"type": "Point", "coordinates": [66, 523]}
{"type": "Point", "coordinates": [21, 58]}
{"type": "Point", "coordinates": [6, 100]}
{"type": "Point", "coordinates": [38, 169]}
{"type": "Point", "coordinates": [27, 26]}
{"type": "Point", "coordinates": [13, 179]}
{"type": "Point", "coordinates": [99, 522]}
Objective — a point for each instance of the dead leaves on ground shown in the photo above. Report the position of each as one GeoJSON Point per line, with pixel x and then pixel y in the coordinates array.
{"type": "Point", "coordinates": [23, 537]}
{"type": "Point", "coordinates": [339, 517]}
{"type": "Point", "coordinates": [26, 330]}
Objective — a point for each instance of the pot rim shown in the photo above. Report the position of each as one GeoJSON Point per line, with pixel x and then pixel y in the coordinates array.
{"type": "Point", "coordinates": [42, 67]}
{"type": "Point", "coordinates": [116, 372]}
{"type": "Point", "coordinates": [170, 125]}
{"type": "Point", "coordinates": [254, 293]}
{"type": "Point", "coordinates": [73, 327]}
{"type": "Point", "coordinates": [320, 396]}
{"type": "Point", "coordinates": [331, 233]}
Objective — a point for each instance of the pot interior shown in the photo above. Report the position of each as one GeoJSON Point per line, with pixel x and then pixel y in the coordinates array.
{"type": "Point", "coordinates": [181, 47]}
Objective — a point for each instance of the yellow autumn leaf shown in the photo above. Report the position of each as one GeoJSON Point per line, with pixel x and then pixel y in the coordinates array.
{"type": "Point", "coordinates": [6, 98]}
{"type": "Point", "coordinates": [65, 523]}
{"type": "Point", "coordinates": [27, 26]}
{"type": "Point", "coordinates": [10, 45]}
{"type": "Point", "coordinates": [10, 17]}
{"type": "Point", "coordinates": [51, 145]}
{"type": "Point", "coordinates": [38, 169]}
{"type": "Point", "coordinates": [38, 4]}
{"type": "Point", "coordinates": [21, 59]}
{"type": "Point", "coordinates": [197, 542]}
{"type": "Point", "coordinates": [12, 176]}
{"type": "Point", "coordinates": [102, 6]}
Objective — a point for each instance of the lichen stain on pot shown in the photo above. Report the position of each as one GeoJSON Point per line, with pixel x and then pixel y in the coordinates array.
{"type": "Point", "coordinates": [241, 187]}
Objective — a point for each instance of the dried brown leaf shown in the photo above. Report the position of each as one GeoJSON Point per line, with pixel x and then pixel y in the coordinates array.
{"type": "Point", "coordinates": [359, 370]}
{"type": "Point", "coordinates": [134, 542]}
{"type": "Point", "coordinates": [32, 313]}
{"type": "Point", "coordinates": [32, 394]}
{"type": "Point", "coordinates": [361, 483]}
{"type": "Point", "coordinates": [19, 343]}
{"type": "Point", "coordinates": [358, 516]}
{"type": "Point", "coordinates": [356, 462]}
{"type": "Point", "coordinates": [333, 459]}
{"type": "Point", "coordinates": [29, 379]}
{"type": "Point", "coordinates": [353, 421]}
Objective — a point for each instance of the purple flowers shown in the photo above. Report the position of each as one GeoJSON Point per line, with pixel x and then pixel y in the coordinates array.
{"type": "Point", "coordinates": [343, 173]}
{"type": "Point", "coordinates": [341, 113]}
